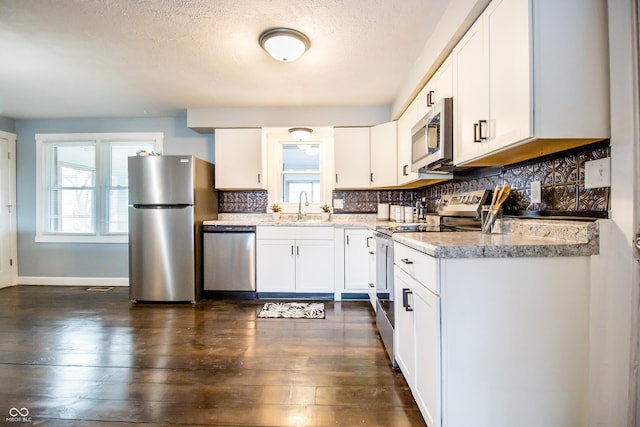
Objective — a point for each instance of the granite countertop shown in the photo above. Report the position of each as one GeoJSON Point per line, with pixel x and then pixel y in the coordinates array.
{"type": "Point", "coordinates": [521, 237]}
{"type": "Point", "coordinates": [342, 220]}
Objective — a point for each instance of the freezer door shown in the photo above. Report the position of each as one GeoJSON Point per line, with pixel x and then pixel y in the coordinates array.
{"type": "Point", "coordinates": [161, 180]}
{"type": "Point", "coordinates": [161, 254]}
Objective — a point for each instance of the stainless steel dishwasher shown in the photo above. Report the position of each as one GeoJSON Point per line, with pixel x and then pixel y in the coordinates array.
{"type": "Point", "coordinates": [229, 257]}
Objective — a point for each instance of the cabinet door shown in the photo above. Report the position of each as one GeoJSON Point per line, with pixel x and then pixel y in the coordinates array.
{"type": "Point", "coordinates": [408, 119]}
{"type": "Point", "coordinates": [470, 86]}
{"type": "Point", "coordinates": [427, 387]}
{"type": "Point", "coordinates": [314, 266]}
{"type": "Point", "coordinates": [443, 81]}
{"type": "Point", "coordinates": [239, 159]}
{"type": "Point", "coordinates": [507, 28]}
{"type": "Point", "coordinates": [356, 260]}
{"type": "Point", "coordinates": [404, 333]}
{"type": "Point", "coordinates": [275, 265]}
{"type": "Point", "coordinates": [351, 150]}
{"type": "Point", "coordinates": [383, 150]}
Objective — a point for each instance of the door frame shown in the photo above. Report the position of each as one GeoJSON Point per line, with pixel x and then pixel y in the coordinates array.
{"type": "Point", "coordinates": [12, 201]}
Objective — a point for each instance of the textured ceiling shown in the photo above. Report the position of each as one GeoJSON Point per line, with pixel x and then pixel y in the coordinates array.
{"type": "Point", "coordinates": [127, 58]}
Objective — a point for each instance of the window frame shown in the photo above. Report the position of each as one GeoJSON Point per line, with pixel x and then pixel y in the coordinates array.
{"type": "Point", "coordinates": [276, 138]}
{"type": "Point", "coordinates": [100, 215]}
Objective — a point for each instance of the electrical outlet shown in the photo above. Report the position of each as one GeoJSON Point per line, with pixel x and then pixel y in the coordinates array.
{"type": "Point", "coordinates": [536, 192]}
{"type": "Point", "coordinates": [597, 173]}
{"type": "Point", "coordinates": [338, 203]}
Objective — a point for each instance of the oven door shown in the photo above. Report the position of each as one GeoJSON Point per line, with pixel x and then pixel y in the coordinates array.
{"type": "Point", "coordinates": [384, 292]}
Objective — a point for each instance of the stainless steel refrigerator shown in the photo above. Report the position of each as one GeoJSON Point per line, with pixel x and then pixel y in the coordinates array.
{"type": "Point", "coordinates": [169, 197]}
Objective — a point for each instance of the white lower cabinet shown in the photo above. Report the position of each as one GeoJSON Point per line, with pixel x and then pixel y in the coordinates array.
{"type": "Point", "coordinates": [356, 260]}
{"type": "Point", "coordinates": [417, 331]}
{"type": "Point", "coordinates": [295, 259]}
{"type": "Point", "coordinates": [493, 342]}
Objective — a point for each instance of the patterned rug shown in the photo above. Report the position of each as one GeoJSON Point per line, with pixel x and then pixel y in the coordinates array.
{"type": "Point", "coordinates": [293, 310]}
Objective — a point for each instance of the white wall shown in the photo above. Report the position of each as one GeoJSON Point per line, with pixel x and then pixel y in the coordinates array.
{"type": "Point", "coordinates": [614, 272]}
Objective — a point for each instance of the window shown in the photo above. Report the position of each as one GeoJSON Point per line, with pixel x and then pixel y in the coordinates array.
{"type": "Point", "coordinates": [300, 172]}
{"type": "Point", "coordinates": [83, 185]}
{"type": "Point", "coordinates": [296, 166]}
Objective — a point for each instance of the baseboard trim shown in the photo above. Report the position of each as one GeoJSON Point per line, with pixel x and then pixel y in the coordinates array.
{"type": "Point", "coordinates": [73, 281]}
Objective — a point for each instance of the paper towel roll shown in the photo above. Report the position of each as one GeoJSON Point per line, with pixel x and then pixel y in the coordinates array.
{"type": "Point", "coordinates": [383, 211]}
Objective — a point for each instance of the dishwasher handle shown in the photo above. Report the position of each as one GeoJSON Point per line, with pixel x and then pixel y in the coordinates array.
{"type": "Point", "coordinates": [228, 228]}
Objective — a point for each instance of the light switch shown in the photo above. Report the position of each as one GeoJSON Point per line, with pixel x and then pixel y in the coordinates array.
{"type": "Point", "coordinates": [338, 203]}
{"type": "Point", "coordinates": [536, 192]}
{"type": "Point", "coordinates": [597, 173]}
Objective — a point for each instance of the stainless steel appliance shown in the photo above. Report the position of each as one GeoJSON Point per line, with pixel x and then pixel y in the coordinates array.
{"type": "Point", "coordinates": [230, 259]}
{"type": "Point", "coordinates": [169, 197]}
{"type": "Point", "coordinates": [457, 213]}
{"type": "Point", "coordinates": [432, 139]}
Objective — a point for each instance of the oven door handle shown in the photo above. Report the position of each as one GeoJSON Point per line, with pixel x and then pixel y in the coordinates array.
{"type": "Point", "coordinates": [405, 299]}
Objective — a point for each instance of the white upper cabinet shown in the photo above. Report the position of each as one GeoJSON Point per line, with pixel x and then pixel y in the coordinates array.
{"type": "Point", "coordinates": [365, 157]}
{"type": "Point", "coordinates": [441, 84]}
{"type": "Point", "coordinates": [438, 87]}
{"type": "Point", "coordinates": [383, 152]}
{"type": "Point", "coordinates": [408, 119]}
{"type": "Point", "coordinates": [471, 93]}
{"type": "Point", "coordinates": [240, 159]}
{"type": "Point", "coordinates": [523, 85]}
{"type": "Point", "coordinates": [351, 150]}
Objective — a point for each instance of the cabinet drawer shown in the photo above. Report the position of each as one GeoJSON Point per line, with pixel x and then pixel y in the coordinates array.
{"type": "Point", "coordinates": [418, 265]}
{"type": "Point", "coordinates": [294, 232]}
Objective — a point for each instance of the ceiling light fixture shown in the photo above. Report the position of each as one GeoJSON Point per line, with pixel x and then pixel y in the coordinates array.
{"type": "Point", "coordinates": [284, 44]}
{"type": "Point", "coordinates": [300, 134]}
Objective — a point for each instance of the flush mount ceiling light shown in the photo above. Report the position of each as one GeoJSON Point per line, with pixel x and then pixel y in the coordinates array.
{"type": "Point", "coordinates": [284, 44]}
{"type": "Point", "coordinates": [300, 134]}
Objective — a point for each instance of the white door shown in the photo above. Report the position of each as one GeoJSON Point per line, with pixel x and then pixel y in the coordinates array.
{"type": "Point", "coordinates": [470, 93]}
{"type": "Point", "coordinates": [314, 266]}
{"type": "Point", "coordinates": [384, 154]}
{"type": "Point", "coordinates": [275, 265]}
{"type": "Point", "coordinates": [356, 260]}
{"type": "Point", "coordinates": [7, 210]}
{"type": "Point", "coordinates": [351, 152]}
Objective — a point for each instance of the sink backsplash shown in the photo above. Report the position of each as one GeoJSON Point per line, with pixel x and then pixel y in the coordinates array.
{"type": "Point", "coordinates": [561, 176]}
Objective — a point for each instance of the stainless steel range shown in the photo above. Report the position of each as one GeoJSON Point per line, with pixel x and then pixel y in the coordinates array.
{"type": "Point", "coordinates": [457, 213]}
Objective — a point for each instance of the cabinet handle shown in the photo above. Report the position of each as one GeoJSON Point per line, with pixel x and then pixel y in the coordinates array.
{"type": "Point", "coordinates": [405, 299]}
{"type": "Point", "coordinates": [298, 250]}
{"type": "Point", "coordinates": [480, 133]}
{"type": "Point", "coordinates": [372, 285]}
{"type": "Point", "coordinates": [475, 132]}
{"type": "Point", "coordinates": [371, 238]}
{"type": "Point", "coordinates": [291, 249]}
{"type": "Point", "coordinates": [347, 239]}
{"type": "Point", "coordinates": [430, 99]}
{"type": "Point", "coordinates": [373, 253]}
{"type": "Point", "coordinates": [336, 178]}
{"type": "Point", "coordinates": [258, 178]}
{"type": "Point", "coordinates": [404, 170]}
{"type": "Point", "coordinates": [406, 261]}
{"type": "Point", "coordinates": [371, 177]}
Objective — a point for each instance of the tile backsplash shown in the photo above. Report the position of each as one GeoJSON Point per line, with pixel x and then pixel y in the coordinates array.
{"type": "Point", "coordinates": [561, 176]}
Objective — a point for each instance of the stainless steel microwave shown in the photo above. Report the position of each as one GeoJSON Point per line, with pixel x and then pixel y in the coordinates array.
{"type": "Point", "coordinates": [432, 139]}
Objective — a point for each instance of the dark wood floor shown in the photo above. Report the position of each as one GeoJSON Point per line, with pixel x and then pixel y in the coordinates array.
{"type": "Point", "coordinates": [74, 357]}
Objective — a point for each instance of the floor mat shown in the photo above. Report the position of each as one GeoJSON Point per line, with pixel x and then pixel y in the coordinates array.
{"type": "Point", "coordinates": [292, 310]}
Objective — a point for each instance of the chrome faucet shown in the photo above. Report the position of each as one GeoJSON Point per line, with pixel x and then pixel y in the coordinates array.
{"type": "Point", "coordinates": [306, 203]}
